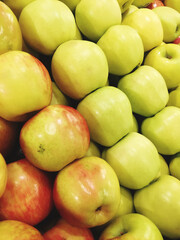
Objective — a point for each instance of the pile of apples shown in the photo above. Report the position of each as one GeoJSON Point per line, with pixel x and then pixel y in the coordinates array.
{"type": "Point", "coordinates": [89, 119]}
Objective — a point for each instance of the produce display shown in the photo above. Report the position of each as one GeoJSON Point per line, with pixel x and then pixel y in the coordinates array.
{"type": "Point", "coordinates": [90, 120]}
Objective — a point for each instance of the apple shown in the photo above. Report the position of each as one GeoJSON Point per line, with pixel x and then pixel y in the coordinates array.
{"type": "Point", "coordinates": [13, 230]}
{"type": "Point", "coordinates": [155, 3]}
{"type": "Point", "coordinates": [27, 88]}
{"type": "Point", "coordinates": [123, 48]}
{"type": "Point", "coordinates": [166, 59]}
{"type": "Point", "coordinates": [108, 114]}
{"type": "Point", "coordinates": [45, 30]}
{"type": "Point", "coordinates": [10, 32]}
{"type": "Point", "coordinates": [130, 10]}
{"type": "Point", "coordinates": [64, 230]}
{"type": "Point", "coordinates": [175, 4]}
{"type": "Point", "coordinates": [79, 67]}
{"type": "Point", "coordinates": [93, 150]}
{"type": "Point", "coordinates": [135, 160]}
{"type": "Point", "coordinates": [164, 169]}
{"type": "Point", "coordinates": [174, 97]}
{"type": "Point", "coordinates": [58, 97]}
{"type": "Point", "coordinates": [162, 129]}
{"type": "Point", "coordinates": [146, 22]}
{"type": "Point", "coordinates": [142, 3]}
{"type": "Point", "coordinates": [54, 137]}
{"type": "Point", "coordinates": [135, 126]}
{"type": "Point", "coordinates": [125, 5]}
{"type": "Point", "coordinates": [28, 193]}
{"type": "Point", "coordinates": [177, 40]}
{"type": "Point", "coordinates": [146, 89]}
{"type": "Point", "coordinates": [160, 202]}
{"type": "Point", "coordinates": [71, 4]}
{"type": "Point", "coordinates": [174, 166]}
{"type": "Point", "coordinates": [131, 226]}
{"type": "Point", "coordinates": [86, 192]}
{"type": "Point", "coordinates": [93, 17]}
{"type": "Point", "coordinates": [3, 175]}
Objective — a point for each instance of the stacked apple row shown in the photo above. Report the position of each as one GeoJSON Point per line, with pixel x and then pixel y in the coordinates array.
{"type": "Point", "coordinates": [89, 119]}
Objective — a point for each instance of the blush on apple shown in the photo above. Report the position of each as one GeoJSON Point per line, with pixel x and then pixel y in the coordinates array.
{"type": "Point", "coordinates": [177, 40]}
{"type": "Point", "coordinates": [155, 3]}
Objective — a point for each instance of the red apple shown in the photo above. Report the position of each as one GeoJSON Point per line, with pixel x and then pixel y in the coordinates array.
{"type": "Point", "coordinates": [155, 3]}
{"type": "Point", "coordinates": [64, 230]}
{"type": "Point", "coordinates": [177, 40]}
{"type": "Point", "coordinates": [28, 194]}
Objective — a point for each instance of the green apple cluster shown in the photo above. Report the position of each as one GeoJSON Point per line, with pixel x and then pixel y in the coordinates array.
{"type": "Point", "coordinates": [89, 119]}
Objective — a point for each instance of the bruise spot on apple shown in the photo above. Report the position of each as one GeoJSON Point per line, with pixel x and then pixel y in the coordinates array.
{"type": "Point", "coordinates": [41, 148]}
{"type": "Point", "coordinates": [98, 209]}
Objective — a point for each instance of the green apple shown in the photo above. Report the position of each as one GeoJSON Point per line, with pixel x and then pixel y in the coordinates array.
{"type": "Point", "coordinates": [135, 160]}
{"type": "Point", "coordinates": [108, 114]}
{"type": "Point", "coordinates": [163, 130]}
{"type": "Point", "coordinates": [71, 4]}
{"type": "Point", "coordinates": [174, 98]}
{"type": "Point", "coordinates": [135, 126]}
{"type": "Point", "coordinates": [95, 17]}
{"type": "Point", "coordinates": [175, 4]}
{"type": "Point", "coordinates": [123, 48]}
{"type": "Point", "coordinates": [54, 137]}
{"type": "Point", "coordinates": [174, 166]}
{"type": "Point", "coordinates": [170, 20]}
{"type": "Point", "coordinates": [125, 4]}
{"type": "Point", "coordinates": [142, 3]}
{"type": "Point", "coordinates": [146, 90]}
{"type": "Point", "coordinates": [93, 150]}
{"type": "Point", "coordinates": [166, 59]}
{"type": "Point", "coordinates": [45, 24]}
{"type": "Point", "coordinates": [10, 32]}
{"type": "Point", "coordinates": [130, 10]}
{"type": "Point", "coordinates": [86, 192]}
{"type": "Point", "coordinates": [3, 175]}
{"type": "Point", "coordinates": [131, 226]}
{"type": "Point", "coordinates": [58, 97]}
{"type": "Point", "coordinates": [164, 169]}
{"type": "Point", "coordinates": [79, 67]}
{"type": "Point", "coordinates": [146, 22]}
{"type": "Point", "coordinates": [160, 202]}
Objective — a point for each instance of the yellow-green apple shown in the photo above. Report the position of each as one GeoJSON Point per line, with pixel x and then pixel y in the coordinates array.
{"type": "Point", "coordinates": [131, 226]}
{"type": "Point", "coordinates": [174, 166]}
{"type": "Point", "coordinates": [71, 4]}
{"type": "Point", "coordinates": [162, 129]}
{"type": "Point", "coordinates": [142, 3]}
{"type": "Point", "coordinates": [164, 169]}
{"type": "Point", "coordinates": [166, 59]}
{"type": "Point", "coordinates": [177, 40]}
{"type": "Point", "coordinates": [171, 27]}
{"type": "Point", "coordinates": [13, 230]}
{"type": "Point", "coordinates": [108, 114]}
{"type": "Point", "coordinates": [54, 137]}
{"type": "Point", "coordinates": [87, 192]}
{"type": "Point", "coordinates": [175, 4]}
{"type": "Point", "coordinates": [28, 193]}
{"type": "Point", "coordinates": [93, 150]}
{"type": "Point", "coordinates": [45, 29]}
{"type": "Point", "coordinates": [145, 21]}
{"type": "Point", "coordinates": [3, 175]}
{"type": "Point", "coordinates": [135, 126]}
{"type": "Point", "coordinates": [64, 230]}
{"type": "Point", "coordinates": [27, 87]}
{"type": "Point", "coordinates": [135, 160]}
{"type": "Point", "coordinates": [155, 3]}
{"type": "Point", "coordinates": [123, 48]}
{"type": "Point", "coordinates": [58, 97]}
{"type": "Point", "coordinates": [94, 17]}
{"type": "Point", "coordinates": [160, 202]}
{"type": "Point", "coordinates": [174, 97]}
{"type": "Point", "coordinates": [125, 5]}
{"type": "Point", "coordinates": [79, 67]}
{"type": "Point", "coordinates": [146, 89]}
{"type": "Point", "coordinates": [10, 32]}
{"type": "Point", "coordinates": [130, 10]}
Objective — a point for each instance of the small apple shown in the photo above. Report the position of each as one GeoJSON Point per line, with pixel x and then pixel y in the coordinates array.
{"type": "Point", "coordinates": [155, 3]}
{"type": "Point", "coordinates": [45, 24]}
{"type": "Point", "coordinates": [166, 59]}
{"type": "Point", "coordinates": [10, 32]}
{"type": "Point", "coordinates": [3, 175]}
{"type": "Point", "coordinates": [28, 194]}
{"type": "Point", "coordinates": [177, 40]}
{"type": "Point", "coordinates": [79, 67]}
{"type": "Point", "coordinates": [87, 192]}
{"type": "Point", "coordinates": [93, 150]}
{"type": "Point", "coordinates": [162, 129]}
{"type": "Point", "coordinates": [58, 97]}
{"type": "Point", "coordinates": [130, 10]}
{"type": "Point", "coordinates": [142, 3]}
{"type": "Point", "coordinates": [131, 226]}
{"type": "Point", "coordinates": [145, 21]}
{"type": "Point", "coordinates": [13, 230]}
{"type": "Point", "coordinates": [175, 4]}
{"type": "Point", "coordinates": [160, 202]}
{"type": "Point", "coordinates": [54, 137]}
{"type": "Point", "coordinates": [125, 4]}
{"type": "Point", "coordinates": [135, 126]}
{"type": "Point", "coordinates": [108, 114]}
{"type": "Point", "coordinates": [174, 166]}
{"type": "Point", "coordinates": [64, 230]}
{"type": "Point", "coordinates": [174, 98]}
{"type": "Point", "coordinates": [164, 169]}
{"type": "Point", "coordinates": [123, 48]}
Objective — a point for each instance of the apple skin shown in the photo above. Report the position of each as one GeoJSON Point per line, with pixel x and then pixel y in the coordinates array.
{"type": "Point", "coordinates": [145, 21]}
{"type": "Point", "coordinates": [177, 40]}
{"type": "Point", "coordinates": [160, 202]}
{"type": "Point", "coordinates": [175, 4]}
{"type": "Point", "coordinates": [123, 48]}
{"type": "Point", "coordinates": [155, 3]}
{"type": "Point", "coordinates": [3, 175]}
{"type": "Point", "coordinates": [174, 166]}
{"type": "Point", "coordinates": [131, 226]}
{"type": "Point", "coordinates": [13, 229]}
{"type": "Point", "coordinates": [54, 137]}
{"type": "Point", "coordinates": [130, 10]}
{"type": "Point", "coordinates": [164, 169]}
{"type": "Point", "coordinates": [108, 114]}
{"type": "Point", "coordinates": [71, 4]}
{"type": "Point", "coordinates": [10, 35]}
{"type": "Point", "coordinates": [79, 67]}
{"type": "Point", "coordinates": [125, 5]}
{"type": "Point", "coordinates": [174, 97]}
{"type": "Point", "coordinates": [93, 150]}
{"type": "Point", "coordinates": [135, 160]}
{"type": "Point", "coordinates": [86, 192]}
{"type": "Point", "coordinates": [28, 194]}
{"type": "Point", "coordinates": [146, 89]}
{"type": "Point", "coordinates": [45, 34]}
{"type": "Point", "coordinates": [64, 230]}
{"type": "Point", "coordinates": [58, 97]}
{"type": "Point", "coordinates": [162, 129]}
{"type": "Point", "coordinates": [142, 3]}
{"type": "Point", "coordinates": [166, 59]}
{"type": "Point", "coordinates": [27, 87]}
